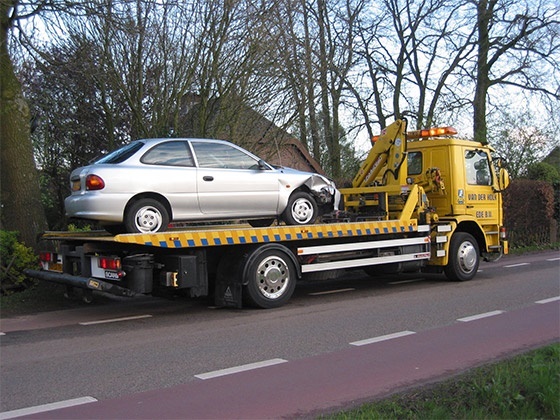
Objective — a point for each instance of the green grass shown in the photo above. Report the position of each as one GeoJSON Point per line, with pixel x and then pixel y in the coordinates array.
{"type": "Point", "coordinates": [523, 387]}
{"type": "Point", "coordinates": [519, 250]}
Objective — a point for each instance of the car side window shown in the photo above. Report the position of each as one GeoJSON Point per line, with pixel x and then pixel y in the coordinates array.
{"type": "Point", "coordinates": [478, 168]}
{"type": "Point", "coordinates": [414, 160]}
{"type": "Point", "coordinates": [122, 154]}
{"type": "Point", "coordinates": [219, 155]}
{"type": "Point", "coordinates": [171, 153]}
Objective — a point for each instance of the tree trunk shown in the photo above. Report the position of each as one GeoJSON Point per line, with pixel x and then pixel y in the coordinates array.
{"type": "Point", "coordinates": [484, 15]}
{"type": "Point", "coordinates": [21, 209]}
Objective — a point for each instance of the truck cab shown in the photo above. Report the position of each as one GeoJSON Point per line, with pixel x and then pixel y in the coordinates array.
{"type": "Point", "coordinates": [451, 183]}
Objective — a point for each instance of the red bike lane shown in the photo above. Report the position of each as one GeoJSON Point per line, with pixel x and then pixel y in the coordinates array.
{"type": "Point", "coordinates": [310, 386]}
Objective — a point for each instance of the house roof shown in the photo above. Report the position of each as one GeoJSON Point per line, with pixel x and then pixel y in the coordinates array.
{"type": "Point", "coordinates": [242, 125]}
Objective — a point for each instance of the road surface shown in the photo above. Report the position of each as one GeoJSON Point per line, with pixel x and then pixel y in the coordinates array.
{"type": "Point", "coordinates": [335, 344]}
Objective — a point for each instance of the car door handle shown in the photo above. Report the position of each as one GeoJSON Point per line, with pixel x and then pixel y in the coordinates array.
{"type": "Point", "coordinates": [208, 178]}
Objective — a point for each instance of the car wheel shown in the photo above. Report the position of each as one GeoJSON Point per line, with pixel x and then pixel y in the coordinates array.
{"type": "Point", "coordinates": [146, 216]}
{"type": "Point", "coordinates": [301, 210]}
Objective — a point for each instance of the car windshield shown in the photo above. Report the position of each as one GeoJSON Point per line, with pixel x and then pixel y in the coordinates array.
{"type": "Point", "coordinates": [122, 154]}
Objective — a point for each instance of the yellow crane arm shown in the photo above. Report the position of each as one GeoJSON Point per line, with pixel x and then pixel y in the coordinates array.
{"type": "Point", "coordinates": [388, 152]}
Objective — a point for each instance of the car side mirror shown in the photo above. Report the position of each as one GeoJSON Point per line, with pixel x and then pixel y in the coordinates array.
{"type": "Point", "coordinates": [262, 165]}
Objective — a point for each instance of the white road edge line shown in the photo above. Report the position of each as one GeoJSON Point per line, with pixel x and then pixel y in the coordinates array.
{"type": "Point", "coordinates": [106, 321]}
{"type": "Point", "coordinates": [241, 368]}
{"type": "Point", "coordinates": [516, 265]}
{"type": "Point", "coordinates": [553, 259]}
{"type": "Point", "coordinates": [2, 333]}
{"type": "Point", "coordinates": [552, 299]}
{"type": "Point", "coordinates": [480, 316]}
{"type": "Point", "coordinates": [46, 407]}
{"type": "Point", "coordinates": [381, 338]}
{"type": "Point", "coordinates": [330, 292]}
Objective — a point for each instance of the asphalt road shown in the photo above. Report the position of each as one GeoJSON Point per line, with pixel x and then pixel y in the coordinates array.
{"type": "Point", "coordinates": [151, 355]}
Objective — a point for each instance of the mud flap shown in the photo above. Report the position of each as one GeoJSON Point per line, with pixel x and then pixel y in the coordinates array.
{"type": "Point", "coordinates": [228, 290]}
{"type": "Point", "coordinates": [228, 294]}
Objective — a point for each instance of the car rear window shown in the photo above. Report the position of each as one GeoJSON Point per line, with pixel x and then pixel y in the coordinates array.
{"type": "Point", "coordinates": [122, 154]}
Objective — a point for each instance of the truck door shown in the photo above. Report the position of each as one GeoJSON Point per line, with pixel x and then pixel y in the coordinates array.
{"type": "Point", "coordinates": [480, 199]}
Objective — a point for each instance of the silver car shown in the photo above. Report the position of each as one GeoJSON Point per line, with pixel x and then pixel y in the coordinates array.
{"type": "Point", "coordinates": [147, 184]}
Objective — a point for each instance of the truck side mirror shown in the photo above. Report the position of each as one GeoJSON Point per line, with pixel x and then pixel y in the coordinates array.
{"type": "Point", "coordinates": [503, 179]}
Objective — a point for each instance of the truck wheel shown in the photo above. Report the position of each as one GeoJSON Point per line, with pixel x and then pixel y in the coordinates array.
{"type": "Point", "coordinates": [270, 277]}
{"type": "Point", "coordinates": [301, 210]}
{"type": "Point", "coordinates": [146, 216]}
{"type": "Point", "coordinates": [464, 257]}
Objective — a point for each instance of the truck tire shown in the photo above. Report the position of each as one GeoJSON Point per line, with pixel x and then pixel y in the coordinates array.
{"type": "Point", "coordinates": [301, 209]}
{"type": "Point", "coordinates": [464, 257]}
{"type": "Point", "coordinates": [146, 215]}
{"type": "Point", "coordinates": [269, 276]}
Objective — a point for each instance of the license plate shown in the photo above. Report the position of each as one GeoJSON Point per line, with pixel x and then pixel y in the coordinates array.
{"type": "Point", "coordinates": [112, 275]}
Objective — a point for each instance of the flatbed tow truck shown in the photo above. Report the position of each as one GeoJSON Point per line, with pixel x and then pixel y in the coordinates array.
{"type": "Point", "coordinates": [421, 201]}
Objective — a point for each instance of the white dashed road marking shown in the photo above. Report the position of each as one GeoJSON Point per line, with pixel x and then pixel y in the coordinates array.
{"type": "Point", "coordinates": [382, 338]}
{"type": "Point", "coordinates": [552, 299]}
{"type": "Point", "coordinates": [46, 407]}
{"type": "Point", "coordinates": [516, 265]}
{"type": "Point", "coordinates": [480, 316]}
{"type": "Point", "coordinates": [242, 368]}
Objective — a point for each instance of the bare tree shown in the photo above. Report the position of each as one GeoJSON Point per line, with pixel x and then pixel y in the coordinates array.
{"type": "Point", "coordinates": [21, 208]}
{"type": "Point", "coordinates": [516, 42]}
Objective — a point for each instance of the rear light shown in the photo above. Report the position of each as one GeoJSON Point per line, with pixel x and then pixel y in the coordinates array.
{"type": "Point", "coordinates": [503, 233]}
{"type": "Point", "coordinates": [110, 263]}
{"type": "Point", "coordinates": [46, 256]}
{"type": "Point", "coordinates": [94, 182]}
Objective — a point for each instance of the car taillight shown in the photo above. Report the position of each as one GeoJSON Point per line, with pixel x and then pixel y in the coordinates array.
{"type": "Point", "coordinates": [94, 182]}
{"type": "Point", "coordinates": [110, 263]}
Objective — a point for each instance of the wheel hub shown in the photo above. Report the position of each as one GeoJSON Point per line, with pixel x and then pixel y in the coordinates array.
{"type": "Point", "coordinates": [273, 277]}
{"type": "Point", "coordinates": [467, 256]}
{"type": "Point", "coordinates": [148, 220]}
{"type": "Point", "coordinates": [302, 211]}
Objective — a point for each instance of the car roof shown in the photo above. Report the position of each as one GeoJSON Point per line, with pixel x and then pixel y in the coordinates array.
{"type": "Point", "coordinates": [163, 139]}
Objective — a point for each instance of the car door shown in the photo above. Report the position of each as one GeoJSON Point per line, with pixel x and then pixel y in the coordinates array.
{"type": "Point", "coordinates": [233, 183]}
{"type": "Point", "coordinates": [170, 170]}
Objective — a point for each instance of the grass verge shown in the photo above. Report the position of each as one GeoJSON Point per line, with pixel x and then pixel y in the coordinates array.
{"type": "Point", "coordinates": [523, 387]}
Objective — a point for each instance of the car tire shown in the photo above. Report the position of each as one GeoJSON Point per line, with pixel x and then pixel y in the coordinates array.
{"type": "Point", "coordinates": [302, 209]}
{"type": "Point", "coordinates": [257, 223]}
{"type": "Point", "coordinates": [115, 229]}
{"type": "Point", "coordinates": [146, 215]}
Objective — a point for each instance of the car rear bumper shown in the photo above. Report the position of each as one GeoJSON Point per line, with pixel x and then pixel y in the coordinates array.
{"type": "Point", "coordinates": [90, 206]}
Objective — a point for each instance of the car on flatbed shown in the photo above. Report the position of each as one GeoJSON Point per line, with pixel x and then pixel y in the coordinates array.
{"type": "Point", "coordinates": [147, 184]}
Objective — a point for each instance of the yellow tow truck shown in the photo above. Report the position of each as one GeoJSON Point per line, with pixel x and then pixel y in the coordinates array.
{"type": "Point", "coordinates": [421, 201]}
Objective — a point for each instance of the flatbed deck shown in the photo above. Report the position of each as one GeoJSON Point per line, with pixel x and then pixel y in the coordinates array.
{"type": "Point", "coordinates": [207, 236]}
